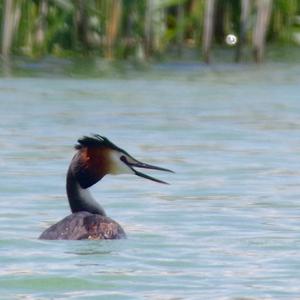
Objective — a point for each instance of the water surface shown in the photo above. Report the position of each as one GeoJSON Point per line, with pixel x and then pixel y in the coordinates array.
{"type": "Point", "coordinates": [226, 228]}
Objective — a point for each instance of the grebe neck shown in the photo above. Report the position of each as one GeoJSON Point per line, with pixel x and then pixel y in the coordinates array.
{"type": "Point", "coordinates": [81, 199]}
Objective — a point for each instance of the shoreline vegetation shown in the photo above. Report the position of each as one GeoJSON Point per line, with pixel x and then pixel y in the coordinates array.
{"type": "Point", "coordinates": [146, 30]}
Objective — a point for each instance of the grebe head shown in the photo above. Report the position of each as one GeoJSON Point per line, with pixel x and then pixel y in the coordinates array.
{"type": "Point", "coordinates": [97, 157]}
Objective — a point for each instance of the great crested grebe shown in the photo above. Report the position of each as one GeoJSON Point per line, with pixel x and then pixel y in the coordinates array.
{"type": "Point", "coordinates": [95, 158]}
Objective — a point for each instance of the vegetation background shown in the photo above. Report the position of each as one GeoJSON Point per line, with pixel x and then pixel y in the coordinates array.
{"type": "Point", "coordinates": [146, 29]}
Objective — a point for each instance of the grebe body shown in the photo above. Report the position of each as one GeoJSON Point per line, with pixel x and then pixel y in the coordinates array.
{"type": "Point", "coordinates": [84, 225]}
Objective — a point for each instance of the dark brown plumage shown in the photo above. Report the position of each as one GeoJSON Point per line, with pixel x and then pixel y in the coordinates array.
{"type": "Point", "coordinates": [84, 225]}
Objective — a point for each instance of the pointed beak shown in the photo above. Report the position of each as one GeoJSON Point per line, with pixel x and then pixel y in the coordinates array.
{"type": "Point", "coordinates": [137, 164]}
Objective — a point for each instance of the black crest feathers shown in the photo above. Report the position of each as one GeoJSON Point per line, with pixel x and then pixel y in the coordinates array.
{"type": "Point", "coordinates": [95, 140]}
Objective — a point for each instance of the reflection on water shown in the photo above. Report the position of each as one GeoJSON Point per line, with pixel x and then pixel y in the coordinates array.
{"type": "Point", "coordinates": [227, 226]}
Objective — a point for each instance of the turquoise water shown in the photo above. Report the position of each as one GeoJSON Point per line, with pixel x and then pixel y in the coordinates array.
{"type": "Point", "coordinates": [227, 226]}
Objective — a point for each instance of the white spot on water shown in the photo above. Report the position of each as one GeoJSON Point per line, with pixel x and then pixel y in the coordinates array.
{"type": "Point", "coordinates": [231, 39]}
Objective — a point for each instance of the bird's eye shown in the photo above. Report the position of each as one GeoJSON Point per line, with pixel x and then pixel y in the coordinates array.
{"type": "Point", "coordinates": [123, 158]}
